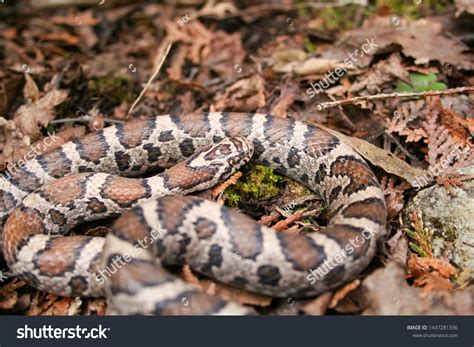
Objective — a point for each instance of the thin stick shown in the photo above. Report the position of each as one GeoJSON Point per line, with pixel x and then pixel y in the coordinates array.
{"type": "Point", "coordinates": [84, 119]}
{"type": "Point", "coordinates": [459, 90]}
{"type": "Point", "coordinates": [163, 56]}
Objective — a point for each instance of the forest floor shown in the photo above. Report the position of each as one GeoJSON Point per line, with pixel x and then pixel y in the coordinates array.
{"type": "Point", "coordinates": [74, 68]}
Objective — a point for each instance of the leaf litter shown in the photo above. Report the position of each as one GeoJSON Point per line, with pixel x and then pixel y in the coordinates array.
{"type": "Point", "coordinates": [62, 64]}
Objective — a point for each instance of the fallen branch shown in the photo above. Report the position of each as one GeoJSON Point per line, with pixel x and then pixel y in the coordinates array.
{"type": "Point", "coordinates": [325, 105]}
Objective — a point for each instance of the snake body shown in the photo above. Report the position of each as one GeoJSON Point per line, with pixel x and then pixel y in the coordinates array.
{"type": "Point", "coordinates": [214, 240]}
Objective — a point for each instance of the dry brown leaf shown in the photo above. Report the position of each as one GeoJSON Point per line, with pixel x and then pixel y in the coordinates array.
{"type": "Point", "coordinates": [224, 291]}
{"type": "Point", "coordinates": [342, 293]}
{"type": "Point", "coordinates": [30, 90]}
{"type": "Point", "coordinates": [433, 281]}
{"type": "Point", "coordinates": [9, 300]}
{"type": "Point", "coordinates": [282, 225]}
{"type": "Point", "coordinates": [381, 74]}
{"type": "Point", "coordinates": [244, 95]}
{"type": "Point", "coordinates": [416, 38]}
{"type": "Point", "coordinates": [60, 36]}
{"type": "Point", "coordinates": [239, 296]}
{"type": "Point", "coordinates": [40, 303]}
{"type": "Point", "coordinates": [61, 306]}
{"type": "Point", "coordinates": [76, 18]}
{"type": "Point", "coordinates": [29, 118]}
{"type": "Point", "coordinates": [380, 157]}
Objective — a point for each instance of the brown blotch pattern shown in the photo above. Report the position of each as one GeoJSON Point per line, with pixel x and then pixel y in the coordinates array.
{"type": "Point", "coordinates": [343, 234]}
{"type": "Point", "coordinates": [131, 226]}
{"type": "Point", "coordinates": [59, 256]}
{"type": "Point", "coordinates": [194, 124]}
{"type": "Point", "coordinates": [204, 228]}
{"type": "Point", "coordinates": [373, 209]}
{"type": "Point", "coordinates": [57, 164]}
{"type": "Point", "coordinates": [185, 177]}
{"type": "Point", "coordinates": [90, 148]}
{"type": "Point", "coordinates": [134, 133]}
{"type": "Point", "coordinates": [300, 251]}
{"type": "Point", "coordinates": [65, 190]}
{"type": "Point", "coordinates": [135, 275]}
{"type": "Point", "coordinates": [171, 211]}
{"type": "Point", "coordinates": [124, 191]}
{"type": "Point", "coordinates": [18, 227]}
{"type": "Point", "coordinates": [78, 285]}
{"type": "Point", "coordinates": [359, 173]}
{"type": "Point", "coordinates": [235, 125]}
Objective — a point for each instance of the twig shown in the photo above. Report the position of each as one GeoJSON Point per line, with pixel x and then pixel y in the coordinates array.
{"type": "Point", "coordinates": [163, 56]}
{"type": "Point", "coordinates": [84, 119]}
{"type": "Point", "coordinates": [459, 90]}
{"type": "Point", "coordinates": [400, 147]}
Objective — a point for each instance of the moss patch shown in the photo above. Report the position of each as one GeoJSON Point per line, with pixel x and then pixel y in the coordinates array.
{"type": "Point", "coordinates": [258, 183]}
{"type": "Point", "coordinates": [116, 88]}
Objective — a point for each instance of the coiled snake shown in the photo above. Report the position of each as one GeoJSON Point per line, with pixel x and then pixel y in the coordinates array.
{"type": "Point", "coordinates": [214, 240]}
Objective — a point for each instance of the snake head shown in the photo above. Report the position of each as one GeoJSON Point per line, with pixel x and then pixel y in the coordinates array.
{"type": "Point", "coordinates": [230, 153]}
{"type": "Point", "coordinates": [223, 158]}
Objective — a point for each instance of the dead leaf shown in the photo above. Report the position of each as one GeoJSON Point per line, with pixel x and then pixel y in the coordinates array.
{"type": "Point", "coordinates": [30, 90]}
{"type": "Point", "coordinates": [342, 293]}
{"type": "Point", "coordinates": [381, 74]}
{"type": "Point", "coordinates": [60, 36]}
{"type": "Point", "coordinates": [433, 281]}
{"type": "Point", "coordinates": [425, 40]}
{"type": "Point", "coordinates": [224, 291]}
{"type": "Point", "coordinates": [380, 157]}
{"type": "Point", "coordinates": [29, 118]}
{"type": "Point", "coordinates": [244, 95]}
{"type": "Point", "coordinates": [239, 296]}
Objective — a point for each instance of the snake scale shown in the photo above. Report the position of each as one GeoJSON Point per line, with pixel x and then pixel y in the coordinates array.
{"type": "Point", "coordinates": [162, 227]}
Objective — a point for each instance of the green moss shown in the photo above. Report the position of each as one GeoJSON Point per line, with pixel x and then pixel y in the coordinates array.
{"type": "Point", "coordinates": [414, 9]}
{"type": "Point", "coordinates": [258, 183]}
{"type": "Point", "coordinates": [113, 87]}
{"type": "Point", "coordinates": [450, 234]}
{"type": "Point", "coordinates": [309, 46]}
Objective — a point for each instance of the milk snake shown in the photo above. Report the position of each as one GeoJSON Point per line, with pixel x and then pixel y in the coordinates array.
{"type": "Point", "coordinates": [214, 240]}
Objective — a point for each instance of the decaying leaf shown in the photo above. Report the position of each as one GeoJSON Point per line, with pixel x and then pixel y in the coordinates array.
{"type": "Point", "coordinates": [244, 95]}
{"type": "Point", "coordinates": [380, 157]}
{"type": "Point", "coordinates": [29, 118]}
{"type": "Point", "coordinates": [416, 39]}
